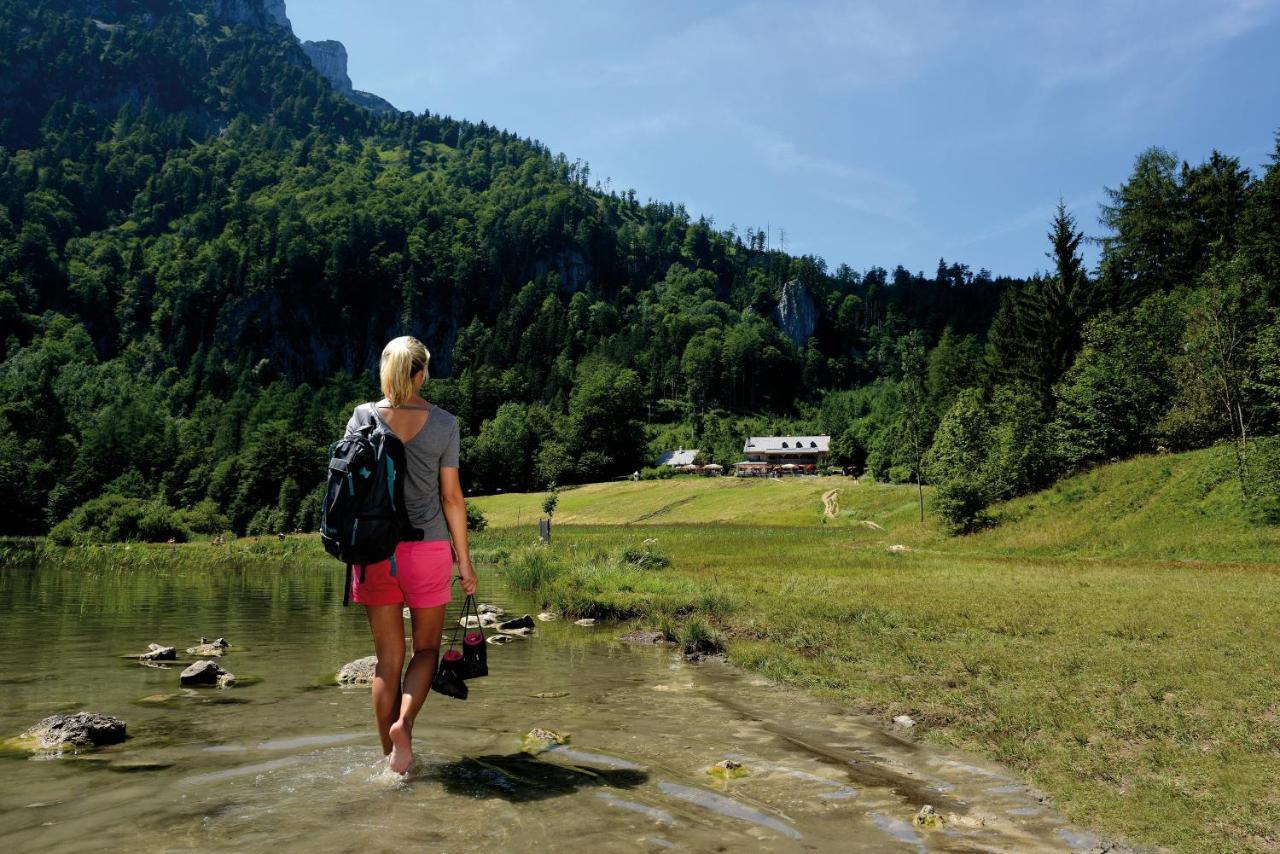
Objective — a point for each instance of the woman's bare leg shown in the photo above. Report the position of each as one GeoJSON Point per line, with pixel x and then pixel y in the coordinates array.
{"type": "Point", "coordinates": [387, 624]}
{"type": "Point", "coordinates": [427, 625]}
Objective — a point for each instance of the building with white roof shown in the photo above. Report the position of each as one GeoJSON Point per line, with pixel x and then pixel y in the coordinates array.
{"type": "Point", "coordinates": [783, 454]}
{"type": "Point", "coordinates": [680, 457]}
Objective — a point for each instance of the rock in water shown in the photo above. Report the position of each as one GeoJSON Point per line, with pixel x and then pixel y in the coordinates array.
{"type": "Point", "coordinates": [469, 622]}
{"type": "Point", "coordinates": [485, 608]}
{"type": "Point", "coordinates": [82, 729]}
{"type": "Point", "coordinates": [585, 621]}
{"type": "Point", "coordinates": [358, 672]}
{"type": "Point", "coordinates": [727, 769]}
{"type": "Point", "coordinates": [537, 740]}
{"type": "Point", "coordinates": [796, 314]}
{"type": "Point", "coordinates": [905, 721]}
{"type": "Point", "coordinates": [207, 647]}
{"type": "Point", "coordinates": [927, 817]}
{"type": "Point", "coordinates": [641, 636]}
{"type": "Point", "coordinates": [156, 652]}
{"type": "Point", "coordinates": [547, 616]}
{"type": "Point", "coordinates": [519, 623]}
{"type": "Point", "coordinates": [499, 640]}
{"type": "Point", "coordinates": [205, 673]}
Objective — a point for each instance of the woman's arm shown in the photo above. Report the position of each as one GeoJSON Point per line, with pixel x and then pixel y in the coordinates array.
{"type": "Point", "coordinates": [455, 515]}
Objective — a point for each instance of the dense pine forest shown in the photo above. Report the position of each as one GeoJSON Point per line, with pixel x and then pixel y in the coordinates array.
{"type": "Point", "coordinates": [203, 249]}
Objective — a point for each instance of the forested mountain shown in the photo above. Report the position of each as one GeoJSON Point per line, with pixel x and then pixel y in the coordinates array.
{"type": "Point", "coordinates": [204, 246]}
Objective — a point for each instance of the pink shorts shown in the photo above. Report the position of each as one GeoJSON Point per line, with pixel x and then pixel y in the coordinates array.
{"type": "Point", "coordinates": [424, 569]}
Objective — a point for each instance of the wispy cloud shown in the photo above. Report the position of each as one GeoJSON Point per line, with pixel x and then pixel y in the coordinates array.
{"type": "Point", "coordinates": [823, 46]}
{"type": "Point", "coordinates": [1081, 43]}
{"type": "Point", "coordinates": [850, 186]}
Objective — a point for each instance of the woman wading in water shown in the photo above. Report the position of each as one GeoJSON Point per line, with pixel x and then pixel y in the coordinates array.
{"type": "Point", "coordinates": [424, 567]}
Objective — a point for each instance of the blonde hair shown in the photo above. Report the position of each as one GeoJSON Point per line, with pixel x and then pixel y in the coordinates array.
{"type": "Point", "coordinates": [401, 359]}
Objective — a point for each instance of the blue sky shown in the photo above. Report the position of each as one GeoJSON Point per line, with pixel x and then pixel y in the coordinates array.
{"type": "Point", "coordinates": [870, 132]}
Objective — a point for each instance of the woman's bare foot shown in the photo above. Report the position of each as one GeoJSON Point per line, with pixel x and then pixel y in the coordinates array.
{"type": "Point", "coordinates": [401, 748]}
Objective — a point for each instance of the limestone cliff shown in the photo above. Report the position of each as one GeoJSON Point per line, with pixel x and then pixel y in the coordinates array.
{"type": "Point", "coordinates": [796, 314]}
{"type": "Point", "coordinates": [254, 13]}
{"type": "Point", "coordinates": [330, 59]}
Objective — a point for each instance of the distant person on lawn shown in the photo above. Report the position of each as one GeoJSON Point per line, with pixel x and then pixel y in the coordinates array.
{"type": "Point", "coordinates": [424, 567]}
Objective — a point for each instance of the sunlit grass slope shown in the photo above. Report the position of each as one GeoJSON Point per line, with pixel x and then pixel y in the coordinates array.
{"type": "Point", "coordinates": [1114, 638]}
{"type": "Point", "coordinates": [704, 500]}
{"type": "Point", "coordinates": [1165, 507]}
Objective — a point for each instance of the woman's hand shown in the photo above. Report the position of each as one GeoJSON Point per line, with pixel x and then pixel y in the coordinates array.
{"type": "Point", "coordinates": [468, 573]}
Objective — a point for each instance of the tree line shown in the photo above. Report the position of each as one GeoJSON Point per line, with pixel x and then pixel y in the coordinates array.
{"type": "Point", "coordinates": [203, 250]}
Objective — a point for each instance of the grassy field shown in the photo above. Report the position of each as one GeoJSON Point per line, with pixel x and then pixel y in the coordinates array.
{"type": "Point", "coordinates": [1115, 639]}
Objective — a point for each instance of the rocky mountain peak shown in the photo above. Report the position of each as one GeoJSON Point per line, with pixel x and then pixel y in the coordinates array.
{"type": "Point", "coordinates": [329, 57]}
{"type": "Point", "coordinates": [254, 13]}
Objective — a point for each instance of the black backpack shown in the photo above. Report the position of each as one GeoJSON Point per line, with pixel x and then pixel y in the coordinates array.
{"type": "Point", "coordinates": [364, 516]}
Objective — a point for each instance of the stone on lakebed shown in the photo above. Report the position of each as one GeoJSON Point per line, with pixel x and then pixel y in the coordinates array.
{"type": "Point", "coordinates": [81, 729]}
{"type": "Point", "coordinates": [728, 769]}
{"type": "Point", "coordinates": [206, 673]}
{"type": "Point", "coordinates": [519, 624]}
{"type": "Point", "coordinates": [642, 636]}
{"type": "Point", "coordinates": [208, 647]}
{"type": "Point", "coordinates": [358, 672]}
{"type": "Point", "coordinates": [156, 652]}
{"type": "Point", "coordinates": [538, 739]}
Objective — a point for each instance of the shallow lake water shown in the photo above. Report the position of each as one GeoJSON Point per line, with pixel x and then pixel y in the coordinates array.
{"type": "Point", "coordinates": [291, 761]}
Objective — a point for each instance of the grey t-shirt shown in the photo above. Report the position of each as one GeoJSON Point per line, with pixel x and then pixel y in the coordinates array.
{"type": "Point", "coordinates": [434, 447]}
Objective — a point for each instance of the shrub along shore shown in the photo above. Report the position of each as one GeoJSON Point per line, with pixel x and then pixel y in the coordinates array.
{"type": "Point", "coordinates": [1093, 643]}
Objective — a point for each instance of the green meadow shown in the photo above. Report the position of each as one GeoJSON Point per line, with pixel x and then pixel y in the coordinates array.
{"type": "Point", "coordinates": [1113, 639]}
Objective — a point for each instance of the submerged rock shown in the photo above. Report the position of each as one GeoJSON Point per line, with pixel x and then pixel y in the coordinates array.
{"type": "Point", "coordinates": [485, 608]}
{"type": "Point", "coordinates": [537, 740]}
{"type": "Point", "coordinates": [469, 622]}
{"type": "Point", "coordinates": [867, 523]}
{"type": "Point", "coordinates": [927, 817]}
{"type": "Point", "coordinates": [641, 636]}
{"type": "Point", "coordinates": [898, 548]}
{"type": "Point", "coordinates": [208, 647]}
{"type": "Point", "coordinates": [358, 672]}
{"type": "Point", "coordinates": [547, 616]}
{"type": "Point", "coordinates": [499, 640]}
{"type": "Point", "coordinates": [206, 673]}
{"type": "Point", "coordinates": [727, 769]}
{"type": "Point", "coordinates": [156, 652]}
{"type": "Point", "coordinates": [517, 625]}
{"type": "Point", "coordinates": [585, 621]}
{"type": "Point", "coordinates": [81, 729]}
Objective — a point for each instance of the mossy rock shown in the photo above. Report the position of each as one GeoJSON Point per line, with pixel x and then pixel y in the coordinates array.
{"type": "Point", "coordinates": [928, 818]}
{"type": "Point", "coordinates": [537, 740]}
{"type": "Point", "coordinates": [727, 769]}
